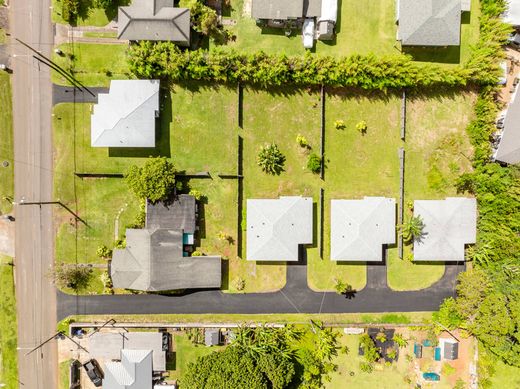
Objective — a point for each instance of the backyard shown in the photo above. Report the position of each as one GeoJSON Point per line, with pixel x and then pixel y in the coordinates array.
{"type": "Point", "coordinates": [8, 328]}
{"type": "Point", "coordinates": [6, 145]}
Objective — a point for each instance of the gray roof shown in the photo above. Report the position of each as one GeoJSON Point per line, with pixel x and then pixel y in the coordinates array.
{"type": "Point", "coordinates": [125, 117]}
{"type": "Point", "coordinates": [153, 257]}
{"type": "Point", "coordinates": [429, 22]}
{"type": "Point", "coordinates": [359, 228]}
{"type": "Point", "coordinates": [154, 20]}
{"type": "Point", "coordinates": [509, 148]}
{"type": "Point", "coordinates": [211, 336]}
{"type": "Point", "coordinates": [448, 226]}
{"type": "Point", "coordinates": [133, 372]}
{"type": "Point", "coordinates": [108, 345]}
{"type": "Point", "coordinates": [276, 227]}
{"type": "Point", "coordinates": [177, 215]}
{"type": "Point", "coordinates": [285, 9]}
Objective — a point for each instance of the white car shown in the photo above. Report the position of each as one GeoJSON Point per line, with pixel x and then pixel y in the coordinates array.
{"type": "Point", "coordinates": [308, 33]}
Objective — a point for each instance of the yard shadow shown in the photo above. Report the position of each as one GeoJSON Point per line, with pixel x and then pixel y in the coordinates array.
{"type": "Point", "coordinates": [448, 54]}
{"type": "Point", "coordinates": [436, 93]}
{"type": "Point", "coordinates": [465, 18]}
{"type": "Point", "coordinates": [357, 93]}
{"type": "Point", "coordinates": [162, 135]}
{"type": "Point", "coordinates": [283, 91]}
{"type": "Point", "coordinates": [225, 274]}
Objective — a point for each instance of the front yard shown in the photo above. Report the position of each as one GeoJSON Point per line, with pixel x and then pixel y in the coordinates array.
{"type": "Point", "coordinates": [8, 329]}
{"type": "Point", "coordinates": [6, 145]}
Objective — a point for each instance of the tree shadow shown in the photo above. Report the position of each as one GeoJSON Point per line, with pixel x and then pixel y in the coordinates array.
{"type": "Point", "coordinates": [162, 135]}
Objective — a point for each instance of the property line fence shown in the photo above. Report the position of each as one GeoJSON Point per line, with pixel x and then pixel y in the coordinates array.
{"type": "Point", "coordinates": [403, 115]}
{"type": "Point", "coordinates": [322, 150]}
{"type": "Point", "coordinates": [400, 213]}
{"type": "Point", "coordinates": [322, 213]}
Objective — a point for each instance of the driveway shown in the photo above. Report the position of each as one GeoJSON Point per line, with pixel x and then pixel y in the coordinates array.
{"type": "Point", "coordinates": [69, 94]}
{"type": "Point", "coordinates": [295, 297]}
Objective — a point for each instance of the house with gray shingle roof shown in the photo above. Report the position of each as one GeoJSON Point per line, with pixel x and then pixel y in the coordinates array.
{"type": "Point", "coordinates": [154, 20]}
{"type": "Point", "coordinates": [125, 117]}
{"type": "Point", "coordinates": [285, 9]}
{"type": "Point", "coordinates": [360, 228]}
{"type": "Point", "coordinates": [449, 225]}
{"type": "Point", "coordinates": [134, 371]}
{"type": "Point", "coordinates": [429, 22]}
{"type": "Point", "coordinates": [277, 227]}
{"type": "Point", "coordinates": [155, 257]}
{"type": "Point", "coordinates": [508, 150]}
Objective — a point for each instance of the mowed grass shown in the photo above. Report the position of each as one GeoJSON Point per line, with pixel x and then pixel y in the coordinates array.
{"type": "Point", "coordinates": [64, 369]}
{"type": "Point", "coordinates": [92, 64]}
{"type": "Point", "coordinates": [8, 330]}
{"type": "Point", "coordinates": [6, 144]}
{"type": "Point", "coordinates": [278, 117]}
{"type": "Point", "coordinates": [505, 376]}
{"type": "Point", "coordinates": [186, 352]}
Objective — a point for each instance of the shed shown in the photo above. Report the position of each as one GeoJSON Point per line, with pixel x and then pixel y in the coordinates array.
{"type": "Point", "coordinates": [449, 348]}
{"type": "Point", "coordinates": [212, 337]}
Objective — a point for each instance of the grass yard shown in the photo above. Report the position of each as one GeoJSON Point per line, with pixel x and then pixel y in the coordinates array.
{"type": "Point", "coordinates": [92, 64]}
{"type": "Point", "coordinates": [64, 368]}
{"type": "Point", "coordinates": [505, 376]}
{"type": "Point", "coordinates": [8, 330]}
{"type": "Point", "coordinates": [6, 144]}
{"type": "Point", "coordinates": [187, 352]}
{"type": "Point", "coordinates": [89, 15]}
{"type": "Point", "coordinates": [93, 34]}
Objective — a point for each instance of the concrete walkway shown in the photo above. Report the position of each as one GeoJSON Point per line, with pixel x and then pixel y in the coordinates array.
{"type": "Point", "coordinates": [65, 33]}
{"type": "Point", "coordinates": [295, 297]}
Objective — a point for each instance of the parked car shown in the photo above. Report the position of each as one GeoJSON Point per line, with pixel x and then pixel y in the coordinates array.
{"type": "Point", "coordinates": [94, 372]}
{"type": "Point", "coordinates": [308, 33]}
{"type": "Point", "coordinates": [74, 375]}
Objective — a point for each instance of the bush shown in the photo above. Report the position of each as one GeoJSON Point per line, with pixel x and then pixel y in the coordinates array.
{"type": "Point", "coordinates": [314, 163]}
{"type": "Point", "coordinates": [362, 127]}
{"type": "Point", "coordinates": [366, 367]}
{"type": "Point", "coordinates": [271, 159]}
{"type": "Point", "coordinates": [340, 125]}
{"type": "Point", "coordinates": [104, 252]}
{"type": "Point", "coordinates": [69, 10]}
{"type": "Point", "coordinates": [197, 194]}
{"type": "Point", "coordinates": [203, 18]}
{"type": "Point", "coordinates": [239, 284]}
{"type": "Point", "coordinates": [154, 181]}
{"type": "Point", "coordinates": [302, 141]}
{"type": "Point", "coordinates": [197, 253]}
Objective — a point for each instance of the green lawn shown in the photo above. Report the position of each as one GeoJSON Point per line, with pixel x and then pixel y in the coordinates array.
{"type": "Point", "coordinates": [64, 369]}
{"type": "Point", "coordinates": [6, 144]}
{"type": "Point", "coordinates": [91, 34]}
{"type": "Point", "coordinates": [8, 330]}
{"type": "Point", "coordinates": [92, 64]}
{"type": "Point", "coordinates": [505, 376]}
{"type": "Point", "coordinates": [89, 15]}
{"type": "Point", "coordinates": [186, 352]}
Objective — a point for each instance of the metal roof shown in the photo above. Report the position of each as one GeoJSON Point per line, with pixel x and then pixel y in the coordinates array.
{"type": "Point", "coordinates": [133, 372]}
{"type": "Point", "coordinates": [448, 226]}
{"type": "Point", "coordinates": [154, 20]}
{"type": "Point", "coordinates": [125, 117]}
{"type": "Point", "coordinates": [108, 345]}
{"type": "Point", "coordinates": [429, 22]}
{"type": "Point", "coordinates": [359, 228]}
{"type": "Point", "coordinates": [509, 148]}
{"type": "Point", "coordinates": [276, 227]}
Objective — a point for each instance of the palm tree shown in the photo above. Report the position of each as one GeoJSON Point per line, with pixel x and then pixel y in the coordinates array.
{"type": "Point", "coordinates": [271, 159]}
{"type": "Point", "coordinates": [400, 340]}
{"type": "Point", "coordinates": [412, 228]}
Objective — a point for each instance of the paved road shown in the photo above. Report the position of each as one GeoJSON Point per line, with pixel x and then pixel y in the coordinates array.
{"type": "Point", "coordinates": [32, 99]}
{"type": "Point", "coordinates": [67, 94]}
{"type": "Point", "coordinates": [295, 297]}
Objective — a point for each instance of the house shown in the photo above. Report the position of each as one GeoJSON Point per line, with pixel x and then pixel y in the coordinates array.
{"type": "Point", "coordinates": [156, 257]}
{"type": "Point", "coordinates": [512, 15]}
{"type": "Point", "coordinates": [508, 150]}
{"type": "Point", "coordinates": [211, 337]}
{"type": "Point", "coordinates": [360, 228]}
{"type": "Point", "coordinates": [429, 22]}
{"type": "Point", "coordinates": [277, 227]}
{"type": "Point", "coordinates": [449, 348]}
{"type": "Point", "coordinates": [109, 345]}
{"type": "Point", "coordinates": [154, 20]}
{"type": "Point", "coordinates": [449, 225]}
{"type": "Point", "coordinates": [133, 372]}
{"type": "Point", "coordinates": [125, 117]}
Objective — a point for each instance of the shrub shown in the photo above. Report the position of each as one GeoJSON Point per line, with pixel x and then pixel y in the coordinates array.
{"type": "Point", "coordinates": [120, 244]}
{"type": "Point", "coordinates": [412, 228]}
{"type": "Point", "coordinates": [302, 141]}
{"type": "Point", "coordinates": [447, 369]}
{"type": "Point", "coordinates": [74, 277]}
{"type": "Point", "coordinates": [340, 125]}
{"type": "Point", "coordinates": [381, 336]}
{"type": "Point", "coordinates": [239, 284]}
{"type": "Point", "coordinates": [366, 367]}
{"type": "Point", "coordinates": [69, 10]}
{"type": "Point", "coordinates": [391, 353]}
{"type": "Point", "coordinates": [314, 163]}
{"type": "Point", "coordinates": [203, 18]}
{"type": "Point", "coordinates": [104, 252]}
{"type": "Point", "coordinates": [271, 159]}
{"type": "Point", "coordinates": [154, 181]}
{"type": "Point", "coordinates": [362, 127]}
{"type": "Point", "coordinates": [399, 340]}
{"type": "Point", "coordinates": [197, 194]}
{"type": "Point", "coordinates": [197, 253]}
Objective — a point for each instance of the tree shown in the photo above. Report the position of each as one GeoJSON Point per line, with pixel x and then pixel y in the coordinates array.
{"type": "Point", "coordinates": [204, 19]}
{"type": "Point", "coordinates": [400, 340]}
{"type": "Point", "coordinates": [103, 3]}
{"type": "Point", "coordinates": [69, 10]}
{"type": "Point", "coordinates": [326, 344]}
{"type": "Point", "coordinates": [314, 163]}
{"type": "Point", "coordinates": [74, 277]}
{"type": "Point", "coordinates": [448, 314]}
{"type": "Point", "coordinates": [472, 288]}
{"type": "Point", "coordinates": [154, 181]}
{"type": "Point", "coordinates": [412, 228]}
{"type": "Point", "coordinates": [340, 287]}
{"type": "Point", "coordinates": [271, 159]}
{"type": "Point", "coordinates": [370, 351]}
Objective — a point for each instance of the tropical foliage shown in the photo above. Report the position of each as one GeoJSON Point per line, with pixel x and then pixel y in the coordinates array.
{"type": "Point", "coordinates": [271, 159]}
{"type": "Point", "coordinates": [154, 181]}
{"type": "Point", "coordinates": [412, 228]}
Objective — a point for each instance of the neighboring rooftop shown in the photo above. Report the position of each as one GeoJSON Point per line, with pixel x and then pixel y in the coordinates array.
{"type": "Point", "coordinates": [108, 345]}
{"type": "Point", "coordinates": [276, 228]}
{"type": "Point", "coordinates": [125, 117]}
{"type": "Point", "coordinates": [154, 20]}
{"type": "Point", "coordinates": [429, 22]}
{"type": "Point", "coordinates": [448, 226]}
{"type": "Point", "coordinates": [512, 15]}
{"type": "Point", "coordinates": [359, 228]}
{"type": "Point", "coordinates": [285, 9]}
{"type": "Point", "coordinates": [154, 258]}
{"type": "Point", "coordinates": [509, 148]}
{"type": "Point", "coordinates": [133, 372]}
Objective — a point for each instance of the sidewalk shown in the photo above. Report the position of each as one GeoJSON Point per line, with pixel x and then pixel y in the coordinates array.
{"type": "Point", "coordinates": [65, 33]}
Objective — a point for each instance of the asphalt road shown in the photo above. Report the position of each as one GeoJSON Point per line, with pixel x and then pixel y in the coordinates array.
{"type": "Point", "coordinates": [32, 99]}
{"type": "Point", "coordinates": [295, 297]}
